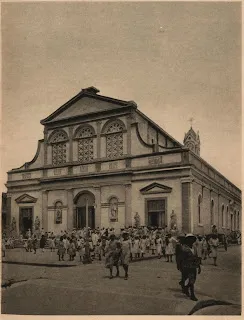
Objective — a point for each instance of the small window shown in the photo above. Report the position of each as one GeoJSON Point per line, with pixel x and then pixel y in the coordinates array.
{"type": "Point", "coordinates": [199, 208]}
{"type": "Point", "coordinates": [212, 213]}
{"type": "Point", "coordinates": [222, 215]}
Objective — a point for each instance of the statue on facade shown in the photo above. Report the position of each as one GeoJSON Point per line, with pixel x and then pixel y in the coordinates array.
{"type": "Point", "coordinates": [113, 209]}
{"type": "Point", "coordinates": [59, 215]}
{"type": "Point", "coordinates": [214, 229]}
{"type": "Point", "coordinates": [37, 224]}
{"type": "Point", "coordinates": [137, 220]}
{"type": "Point", "coordinates": [173, 221]}
{"type": "Point", "coordinates": [13, 224]}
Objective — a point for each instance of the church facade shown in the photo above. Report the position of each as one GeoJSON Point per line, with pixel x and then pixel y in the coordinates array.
{"type": "Point", "coordinates": [103, 163]}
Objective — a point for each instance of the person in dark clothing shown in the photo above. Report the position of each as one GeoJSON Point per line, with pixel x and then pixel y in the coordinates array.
{"type": "Point", "coordinates": [34, 244]}
{"type": "Point", "coordinates": [178, 257]}
{"type": "Point", "coordinates": [42, 242]}
{"type": "Point", "coordinates": [190, 262]}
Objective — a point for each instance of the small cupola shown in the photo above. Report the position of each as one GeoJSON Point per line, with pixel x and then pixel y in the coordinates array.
{"type": "Point", "coordinates": [192, 141]}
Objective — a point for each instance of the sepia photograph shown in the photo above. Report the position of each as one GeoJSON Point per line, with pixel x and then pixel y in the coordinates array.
{"type": "Point", "coordinates": [121, 158]}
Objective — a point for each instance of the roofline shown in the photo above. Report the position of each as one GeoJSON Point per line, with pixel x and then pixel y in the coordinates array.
{"type": "Point", "coordinates": [222, 176]}
{"type": "Point", "coordinates": [84, 93]}
{"type": "Point", "coordinates": [159, 128]}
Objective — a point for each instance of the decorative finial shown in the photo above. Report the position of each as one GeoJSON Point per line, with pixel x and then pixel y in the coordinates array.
{"type": "Point", "coordinates": [191, 121]}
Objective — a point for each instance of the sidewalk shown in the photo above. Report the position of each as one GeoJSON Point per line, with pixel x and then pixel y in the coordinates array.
{"type": "Point", "coordinates": [50, 259]}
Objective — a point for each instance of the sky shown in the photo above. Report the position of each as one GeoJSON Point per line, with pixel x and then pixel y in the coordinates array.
{"type": "Point", "coordinates": [176, 60]}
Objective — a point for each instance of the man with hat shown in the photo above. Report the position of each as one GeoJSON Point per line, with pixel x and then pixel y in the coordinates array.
{"type": "Point", "coordinates": [189, 265]}
{"type": "Point", "coordinates": [178, 255]}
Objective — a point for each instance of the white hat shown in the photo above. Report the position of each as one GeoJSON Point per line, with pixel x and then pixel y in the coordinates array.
{"type": "Point", "coordinates": [190, 235]}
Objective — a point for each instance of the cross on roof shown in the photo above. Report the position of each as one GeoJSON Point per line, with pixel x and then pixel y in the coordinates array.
{"type": "Point", "coordinates": [191, 121]}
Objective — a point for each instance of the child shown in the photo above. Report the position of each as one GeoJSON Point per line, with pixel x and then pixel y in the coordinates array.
{"type": "Point", "coordinates": [199, 248]}
{"type": "Point", "coordinates": [29, 244]}
{"type": "Point", "coordinates": [153, 244]}
{"type": "Point", "coordinates": [61, 249]}
{"type": "Point", "coordinates": [34, 244]}
{"type": "Point", "coordinates": [81, 248]}
{"type": "Point", "coordinates": [204, 248]}
{"type": "Point", "coordinates": [25, 245]}
{"type": "Point", "coordinates": [42, 242]}
{"type": "Point", "coordinates": [214, 242]}
{"type": "Point", "coordinates": [71, 250]}
{"type": "Point", "coordinates": [158, 243]}
{"type": "Point", "coordinates": [98, 249]}
{"type": "Point", "coordinates": [87, 254]}
{"type": "Point", "coordinates": [137, 247]}
{"type": "Point", "coordinates": [103, 245]}
{"type": "Point", "coordinates": [143, 245]}
{"type": "Point", "coordinates": [169, 248]}
{"type": "Point", "coordinates": [52, 243]}
{"type": "Point", "coordinates": [147, 244]}
{"type": "Point", "coordinates": [125, 253]}
{"type": "Point", "coordinates": [112, 253]}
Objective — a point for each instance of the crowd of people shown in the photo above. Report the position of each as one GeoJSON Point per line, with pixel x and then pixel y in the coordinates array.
{"type": "Point", "coordinates": [120, 248]}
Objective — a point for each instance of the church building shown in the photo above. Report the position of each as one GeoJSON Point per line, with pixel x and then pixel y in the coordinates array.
{"type": "Point", "coordinates": [103, 163]}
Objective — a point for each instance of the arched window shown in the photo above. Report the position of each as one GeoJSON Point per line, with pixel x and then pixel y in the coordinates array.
{"type": "Point", "coordinates": [222, 215]}
{"type": "Point", "coordinates": [58, 212]}
{"type": "Point", "coordinates": [85, 137]}
{"type": "Point", "coordinates": [114, 139]}
{"type": "Point", "coordinates": [199, 208]}
{"type": "Point", "coordinates": [227, 217]}
{"type": "Point", "coordinates": [212, 212]}
{"type": "Point", "coordinates": [113, 209]}
{"type": "Point", "coordinates": [58, 139]}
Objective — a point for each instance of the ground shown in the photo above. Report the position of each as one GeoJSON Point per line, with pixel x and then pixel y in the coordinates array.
{"type": "Point", "coordinates": [152, 287]}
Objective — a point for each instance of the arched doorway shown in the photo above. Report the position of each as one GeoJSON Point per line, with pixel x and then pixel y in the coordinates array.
{"type": "Point", "coordinates": [85, 210]}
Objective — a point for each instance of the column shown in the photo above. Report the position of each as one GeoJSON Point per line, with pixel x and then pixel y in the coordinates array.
{"type": "Point", "coordinates": [87, 216]}
{"type": "Point", "coordinates": [128, 122]}
{"type": "Point", "coordinates": [45, 147]}
{"type": "Point", "coordinates": [70, 210]}
{"type": "Point", "coordinates": [98, 207]}
{"type": "Point", "coordinates": [128, 205]}
{"type": "Point", "coordinates": [187, 205]}
{"type": "Point", "coordinates": [70, 144]}
{"type": "Point", "coordinates": [99, 123]}
{"type": "Point", "coordinates": [218, 215]}
{"type": "Point", "coordinates": [45, 210]}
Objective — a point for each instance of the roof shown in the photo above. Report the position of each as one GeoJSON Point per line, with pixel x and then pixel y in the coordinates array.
{"type": "Point", "coordinates": [90, 92]}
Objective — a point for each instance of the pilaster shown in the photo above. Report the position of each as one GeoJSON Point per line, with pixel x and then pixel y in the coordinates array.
{"type": "Point", "coordinates": [45, 210]}
{"type": "Point", "coordinates": [70, 210]}
{"type": "Point", "coordinates": [99, 123]}
{"type": "Point", "coordinates": [187, 204]}
{"type": "Point", "coordinates": [8, 214]}
{"type": "Point", "coordinates": [45, 146]}
{"type": "Point", "coordinates": [128, 205]}
{"type": "Point", "coordinates": [70, 144]}
{"type": "Point", "coordinates": [98, 207]}
{"type": "Point", "coordinates": [128, 122]}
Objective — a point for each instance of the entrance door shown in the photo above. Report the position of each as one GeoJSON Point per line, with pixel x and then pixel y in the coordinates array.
{"type": "Point", "coordinates": [25, 220]}
{"type": "Point", "coordinates": [153, 219]}
{"type": "Point", "coordinates": [81, 217]}
{"type": "Point", "coordinates": [156, 212]}
{"type": "Point", "coordinates": [85, 210]}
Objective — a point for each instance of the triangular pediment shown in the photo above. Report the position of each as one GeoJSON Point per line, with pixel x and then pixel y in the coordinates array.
{"type": "Point", "coordinates": [26, 198]}
{"type": "Point", "coordinates": [86, 102]}
{"type": "Point", "coordinates": [155, 188]}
